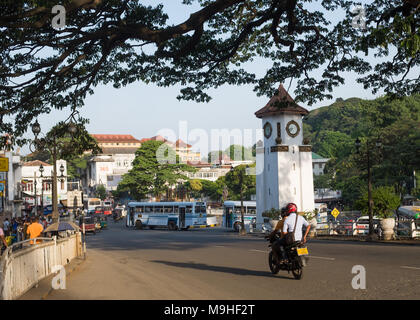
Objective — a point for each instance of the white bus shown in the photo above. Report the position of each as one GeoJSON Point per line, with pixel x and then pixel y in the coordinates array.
{"type": "Point", "coordinates": [171, 215]}
{"type": "Point", "coordinates": [91, 204]}
{"type": "Point", "coordinates": [232, 214]}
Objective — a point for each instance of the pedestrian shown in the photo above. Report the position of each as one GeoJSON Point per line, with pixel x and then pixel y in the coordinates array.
{"type": "Point", "coordinates": [25, 226]}
{"type": "Point", "coordinates": [44, 223]}
{"type": "Point", "coordinates": [19, 233]}
{"type": "Point", "coordinates": [34, 230]}
{"type": "Point", "coordinates": [6, 227]}
{"type": "Point", "coordinates": [3, 240]}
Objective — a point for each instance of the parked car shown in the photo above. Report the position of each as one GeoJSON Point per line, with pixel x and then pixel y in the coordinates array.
{"type": "Point", "coordinates": [362, 225]}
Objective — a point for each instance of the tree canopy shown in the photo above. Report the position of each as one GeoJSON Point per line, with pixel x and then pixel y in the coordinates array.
{"type": "Point", "coordinates": [395, 124]}
{"type": "Point", "coordinates": [150, 175]}
{"type": "Point", "coordinates": [121, 42]}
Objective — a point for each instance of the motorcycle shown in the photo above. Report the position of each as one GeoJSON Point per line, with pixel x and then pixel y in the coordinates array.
{"type": "Point", "coordinates": [296, 254]}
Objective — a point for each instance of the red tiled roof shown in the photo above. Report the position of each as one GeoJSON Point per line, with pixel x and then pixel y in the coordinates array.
{"type": "Point", "coordinates": [178, 143]}
{"type": "Point", "coordinates": [199, 164]}
{"type": "Point", "coordinates": [35, 163]}
{"type": "Point", "coordinates": [102, 138]}
{"type": "Point", "coordinates": [282, 102]}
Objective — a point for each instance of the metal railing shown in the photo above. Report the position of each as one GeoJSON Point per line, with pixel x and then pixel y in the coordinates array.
{"type": "Point", "coordinates": [404, 229]}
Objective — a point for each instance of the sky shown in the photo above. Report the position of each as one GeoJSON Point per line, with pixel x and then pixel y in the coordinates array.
{"type": "Point", "coordinates": [147, 110]}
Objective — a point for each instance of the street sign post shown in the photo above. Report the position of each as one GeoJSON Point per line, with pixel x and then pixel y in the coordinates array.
{"type": "Point", "coordinates": [335, 213]}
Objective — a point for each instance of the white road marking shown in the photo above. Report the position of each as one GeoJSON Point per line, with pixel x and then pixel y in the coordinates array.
{"type": "Point", "coordinates": [259, 250]}
{"type": "Point", "coordinates": [323, 258]}
{"type": "Point", "coordinates": [414, 268]}
{"type": "Point", "coordinates": [220, 246]}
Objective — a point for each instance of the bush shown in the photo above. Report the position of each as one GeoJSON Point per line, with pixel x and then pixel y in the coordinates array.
{"type": "Point", "coordinates": [385, 202]}
{"type": "Point", "coordinates": [273, 214]}
{"type": "Point", "coordinates": [309, 215]}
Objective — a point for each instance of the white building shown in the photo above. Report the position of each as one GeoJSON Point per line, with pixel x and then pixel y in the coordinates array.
{"type": "Point", "coordinates": [207, 171]}
{"type": "Point", "coordinates": [318, 164]}
{"type": "Point", "coordinates": [32, 183]}
{"type": "Point", "coordinates": [284, 162]}
{"type": "Point", "coordinates": [10, 195]}
{"type": "Point", "coordinates": [107, 169]}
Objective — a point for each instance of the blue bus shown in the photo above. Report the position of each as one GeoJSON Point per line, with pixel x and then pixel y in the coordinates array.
{"type": "Point", "coordinates": [171, 215]}
{"type": "Point", "coordinates": [232, 214]}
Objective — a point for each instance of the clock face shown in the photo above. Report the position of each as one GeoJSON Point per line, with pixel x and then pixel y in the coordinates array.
{"type": "Point", "coordinates": [292, 128]}
{"type": "Point", "coordinates": [267, 130]}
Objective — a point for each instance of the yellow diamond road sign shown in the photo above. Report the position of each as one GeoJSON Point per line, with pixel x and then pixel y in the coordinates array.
{"type": "Point", "coordinates": [335, 212]}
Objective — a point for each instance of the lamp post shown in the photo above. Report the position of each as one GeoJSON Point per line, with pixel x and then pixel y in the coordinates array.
{"type": "Point", "coordinates": [369, 148]}
{"type": "Point", "coordinates": [52, 144]}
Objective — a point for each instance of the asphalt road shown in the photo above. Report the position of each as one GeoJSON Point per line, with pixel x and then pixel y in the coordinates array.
{"type": "Point", "coordinates": [216, 264]}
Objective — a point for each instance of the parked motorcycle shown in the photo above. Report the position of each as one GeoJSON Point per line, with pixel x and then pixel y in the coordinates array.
{"type": "Point", "coordinates": [296, 254]}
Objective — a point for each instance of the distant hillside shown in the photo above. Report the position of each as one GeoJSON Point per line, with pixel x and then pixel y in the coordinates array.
{"type": "Point", "coordinates": [332, 129]}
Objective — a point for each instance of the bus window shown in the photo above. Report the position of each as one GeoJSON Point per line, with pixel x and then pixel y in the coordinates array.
{"type": "Point", "coordinates": [167, 209]}
{"type": "Point", "coordinates": [148, 208]}
{"type": "Point", "coordinates": [139, 209]}
{"type": "Point", "coordinates": [158, 209]}
{"type": "Point", "coordinates": [251, 210]}
{"type": "Point", "coordinates": [175, 209]}
{"type": "Point", "coordinates": [188, 209]}
{"type": "Point", "coordinates": [237, 209]}
{"type": "Point", "coordinates": [200, 209]}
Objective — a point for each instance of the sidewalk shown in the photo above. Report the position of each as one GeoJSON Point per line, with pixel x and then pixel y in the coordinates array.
{"type": "Point", "coordinates": [44, 287]}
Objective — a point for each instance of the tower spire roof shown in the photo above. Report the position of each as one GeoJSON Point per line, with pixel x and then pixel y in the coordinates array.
{"type": "Point", "coordinates": [282, 102]}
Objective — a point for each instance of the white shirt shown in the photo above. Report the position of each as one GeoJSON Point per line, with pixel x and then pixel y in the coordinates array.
{"type": "Point", "coordinates": [6, 225]}
{"type": "Point", "coordinates": [289, 225]}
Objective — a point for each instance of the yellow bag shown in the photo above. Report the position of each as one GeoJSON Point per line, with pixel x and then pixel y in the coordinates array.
{"type": "Point", "coordinates": [9, 240]}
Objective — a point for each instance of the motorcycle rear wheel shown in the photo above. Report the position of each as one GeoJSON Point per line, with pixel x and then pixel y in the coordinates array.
{"type": "Point", "coordinates": [274, 268]}
{"type": "Point", "coordinates": [298, 270]}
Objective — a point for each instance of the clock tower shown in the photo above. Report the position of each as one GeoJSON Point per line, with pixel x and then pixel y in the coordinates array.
{"type": "Point", "coordinates": [284, 161]}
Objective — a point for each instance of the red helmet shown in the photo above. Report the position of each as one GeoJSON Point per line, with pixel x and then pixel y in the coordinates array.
{"type": "Point", "coordinates": [291, 207]}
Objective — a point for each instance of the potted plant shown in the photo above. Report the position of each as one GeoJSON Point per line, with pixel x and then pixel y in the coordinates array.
{"type": "Point", "coordinates": [385, 202]}
{"type": "Point", "coordinates": [273, 215]}
{"type": "Point", "coordinates": [387, 224]}
{"type": "Point", "coordinates": [310, 216]}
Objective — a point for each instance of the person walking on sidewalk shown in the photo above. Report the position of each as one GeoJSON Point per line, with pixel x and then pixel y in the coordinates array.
{"type": "Point", "coordinates": [34, 230]}
{"type": "Point", "coordinates": [3, 240]}
{"type": "Point", "coordinates": [6, 227]}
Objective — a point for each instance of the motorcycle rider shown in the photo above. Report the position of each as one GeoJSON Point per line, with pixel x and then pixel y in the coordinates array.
{"type": "Point", "coordinates": [277, 246]}
{"type": "Point", "coordinates": [289, 226]}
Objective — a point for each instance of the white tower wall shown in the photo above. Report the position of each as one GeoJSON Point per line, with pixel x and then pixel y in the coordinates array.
{"type": "Point", "coordinates": [287, 175]}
